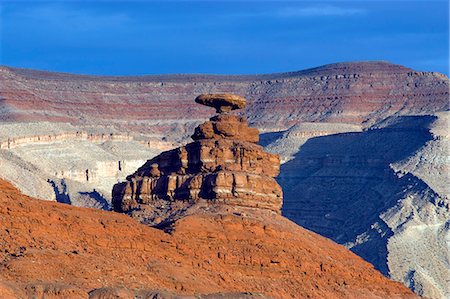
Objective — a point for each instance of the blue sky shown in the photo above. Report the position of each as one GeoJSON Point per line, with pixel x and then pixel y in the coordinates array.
{"type": "Point", "coordinates": [232, 37]}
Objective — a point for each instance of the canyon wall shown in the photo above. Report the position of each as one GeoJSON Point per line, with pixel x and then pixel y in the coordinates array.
{"type": "Point", "coordinates": [359, 93]}
{"type": "Point", "coordinates": [71, 164]}
{"type": "Point", "coordinates": [382, 192]}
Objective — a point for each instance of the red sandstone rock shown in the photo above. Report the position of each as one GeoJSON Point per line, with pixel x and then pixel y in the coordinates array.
{"type": "Point", "coordinates": [223, 165]}
{"type": "Point", "coordinates": [226, 127]}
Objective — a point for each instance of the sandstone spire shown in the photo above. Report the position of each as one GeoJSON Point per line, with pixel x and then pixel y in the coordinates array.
{"type": "Point", "coordinates": [224, 164]}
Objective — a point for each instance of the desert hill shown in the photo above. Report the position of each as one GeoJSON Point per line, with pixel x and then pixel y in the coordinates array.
{"type": "Point", "coordinates": [65, 251]}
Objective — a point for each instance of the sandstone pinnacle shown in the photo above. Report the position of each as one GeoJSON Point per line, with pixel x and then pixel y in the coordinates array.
{"type": "Point", "coordinates": [222, 102]}
{"type": "Point", "coordinates": [224, 165]}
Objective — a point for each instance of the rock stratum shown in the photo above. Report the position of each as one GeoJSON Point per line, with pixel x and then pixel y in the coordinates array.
{"type": "Point", "coordinates": [70, 138]}
{"type": "Point", "coordinates": [360, 93]}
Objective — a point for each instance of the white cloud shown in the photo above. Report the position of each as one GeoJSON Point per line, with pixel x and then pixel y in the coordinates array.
{"type": "Point", "coordinates": [318, 11]}
{"type": "Point", "coordinates": [298, 11]}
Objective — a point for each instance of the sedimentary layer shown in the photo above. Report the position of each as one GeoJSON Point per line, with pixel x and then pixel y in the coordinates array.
{"type": "Point", "coordinates": [222, 165]}
{"type": "Point", "coordinates": [360, 93]}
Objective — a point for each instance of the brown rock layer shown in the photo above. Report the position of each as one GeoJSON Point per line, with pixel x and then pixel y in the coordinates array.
{"type": "Point", "coordinates": [54, 250]}
{"type": "Point", "coordinates": [223, 165]}
{"type": "Point", "coordinates": [359, 92]}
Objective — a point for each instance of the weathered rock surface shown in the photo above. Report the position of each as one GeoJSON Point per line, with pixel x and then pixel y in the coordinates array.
{"type": "Point", "coordinates": [62, 162]}
{"type": "Point", "coordinates": [223, 165]}
{"type": "Point", "coordinates": [226, 127]}
{"type": "Point", "coordinates": [60, 251]}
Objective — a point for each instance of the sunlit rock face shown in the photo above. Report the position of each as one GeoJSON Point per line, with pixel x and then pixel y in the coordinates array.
{"type": "Point", "coordinates": [51, 250]}
{"type": "Point", "coordinates": [223, 165]}
{"type": "Point", "coordinates": [358, 93]}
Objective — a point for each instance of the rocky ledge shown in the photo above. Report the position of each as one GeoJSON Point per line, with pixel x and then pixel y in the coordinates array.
{"type": "Point", "coordinates": [223, 165]}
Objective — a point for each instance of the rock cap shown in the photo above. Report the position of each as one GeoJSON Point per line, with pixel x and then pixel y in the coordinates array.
{"type": "Point", "coordinates": [223, 102]}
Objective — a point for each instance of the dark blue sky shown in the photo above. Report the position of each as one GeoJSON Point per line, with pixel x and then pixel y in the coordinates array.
{"type": "Point", "coordinates": [149, 37]}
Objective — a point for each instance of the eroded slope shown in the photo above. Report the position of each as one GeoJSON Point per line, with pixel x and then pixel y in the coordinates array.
{"type": "Point", "coordinates": [212, 249]}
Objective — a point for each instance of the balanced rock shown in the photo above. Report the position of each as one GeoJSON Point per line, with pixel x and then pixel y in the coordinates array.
{"type": "Point", "coordinates": [223, 165]}
{"type": "Point", "coordinates": [223, 102]}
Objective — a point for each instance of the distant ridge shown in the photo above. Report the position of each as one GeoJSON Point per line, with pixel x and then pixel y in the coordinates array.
{"type": "Point", "coordinates": [333, 67]}
{"type": "Point", "coordinates": [351, 92]}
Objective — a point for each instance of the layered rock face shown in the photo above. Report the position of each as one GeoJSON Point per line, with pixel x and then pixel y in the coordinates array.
{"type": "Point", "coordinates": [223, 164]}
{"type": "Point", "coordinates": [150, 110]}
{"type": "Point", "coordinates": [331, 177]}
{"type": "Point", "coordinates": [354, 92]}
{"type": "Point", "coordinates": [70, 164]}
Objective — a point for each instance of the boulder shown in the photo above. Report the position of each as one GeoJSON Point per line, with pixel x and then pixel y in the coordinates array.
{"type": "Point", "coordinates": [223, 102]}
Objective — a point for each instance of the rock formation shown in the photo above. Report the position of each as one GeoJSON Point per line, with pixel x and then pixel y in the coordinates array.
{"type": "Point", "coordinates": [223, 165]}
{"type": "Point", "coordinates": [224, 102]}
{"type": "Point", "coordinates": [157, 108]}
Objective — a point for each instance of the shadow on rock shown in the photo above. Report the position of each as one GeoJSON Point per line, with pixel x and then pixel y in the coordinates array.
{"type": "Point", "coordinates": [60, 190]}
{"type": "Point", "coordinates": [101, 201]}
{"type": "Point", "coordinates": [338, 185]}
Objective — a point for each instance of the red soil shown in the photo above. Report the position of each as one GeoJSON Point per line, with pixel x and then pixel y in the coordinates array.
{"type": "Point", "coordinates": [64, 251]}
